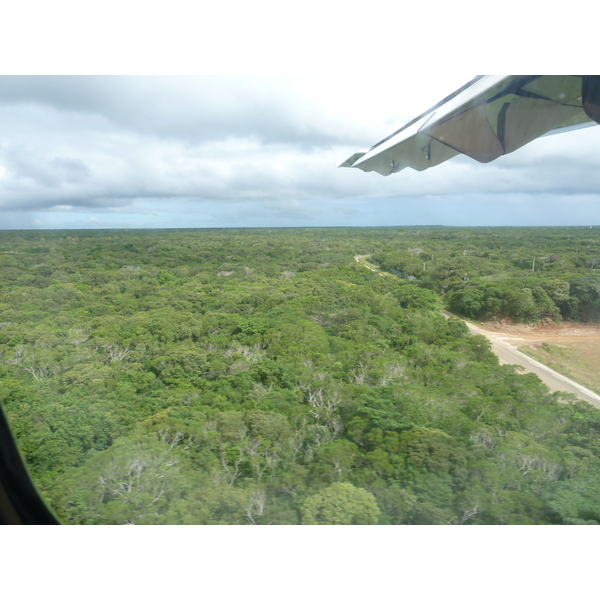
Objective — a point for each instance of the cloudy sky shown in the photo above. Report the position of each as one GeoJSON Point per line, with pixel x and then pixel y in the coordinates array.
{"type": "Point", "coordinates": [260, 149]}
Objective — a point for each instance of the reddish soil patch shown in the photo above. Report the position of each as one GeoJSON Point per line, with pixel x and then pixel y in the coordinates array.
{"type": "Point", "coordinates": [551, 333]}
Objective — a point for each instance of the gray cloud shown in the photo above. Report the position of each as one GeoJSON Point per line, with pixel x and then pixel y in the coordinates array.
{"type": "Point", "coordinates": [73, 170]}
{"type": "Point", "coordinates": [192, 109]}
{"type": "Point", "coordinates": [259, 151]}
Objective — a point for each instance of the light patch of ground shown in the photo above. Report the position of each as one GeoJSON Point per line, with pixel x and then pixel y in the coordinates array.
{"type": "Point", "coordinates": [572, 349]}
{"type": "Point", "coordinates": [365, 263]}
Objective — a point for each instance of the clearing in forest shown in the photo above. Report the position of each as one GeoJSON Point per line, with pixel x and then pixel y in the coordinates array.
{"type": "Point", "coordinates": [572, 349]}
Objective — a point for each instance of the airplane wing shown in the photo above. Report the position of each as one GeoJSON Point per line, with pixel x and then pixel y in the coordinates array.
{"type": "Point", "coordinates": [490, 116]}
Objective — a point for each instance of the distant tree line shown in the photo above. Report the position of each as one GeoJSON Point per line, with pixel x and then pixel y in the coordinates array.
{"type": "Point", "coordinates": [495, 273]}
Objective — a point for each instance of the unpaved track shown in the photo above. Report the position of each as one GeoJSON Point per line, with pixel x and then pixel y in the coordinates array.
{"type": "Point", "coordinates": [504, 346]}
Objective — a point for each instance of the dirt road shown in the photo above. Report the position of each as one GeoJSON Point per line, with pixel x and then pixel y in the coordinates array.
{"type": "Point", "coordinates": [504, 346]}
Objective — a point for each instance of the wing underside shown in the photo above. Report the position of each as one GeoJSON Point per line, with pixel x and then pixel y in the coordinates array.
{"type": "Point", "coordinates": [488, 117]}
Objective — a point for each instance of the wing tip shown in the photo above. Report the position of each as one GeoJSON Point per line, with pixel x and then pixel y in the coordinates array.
{"type": "Point", "coordinates": [349, 162]}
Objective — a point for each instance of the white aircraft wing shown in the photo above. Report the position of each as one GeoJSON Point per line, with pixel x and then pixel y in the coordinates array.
{"type": "Point", "coordinates": [490, 116]}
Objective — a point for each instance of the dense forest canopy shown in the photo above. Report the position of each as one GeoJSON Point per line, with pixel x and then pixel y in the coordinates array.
{"type": "Point", "coordinates": [525, 274]}
{"type": "Point", "coordinates": [263, 376]}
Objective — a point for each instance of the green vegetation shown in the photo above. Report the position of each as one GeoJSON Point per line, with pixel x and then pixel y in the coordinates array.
{"type": "Point", "coordinates": [265, 377]}
{"type": "Point", "coordinates": [525, 274]}
{"type": "Point", "coordinates": [579, 361]}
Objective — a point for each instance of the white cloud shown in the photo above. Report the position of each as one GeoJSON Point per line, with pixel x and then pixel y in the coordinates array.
{"type": "Point", "coordinates": [222, 151]}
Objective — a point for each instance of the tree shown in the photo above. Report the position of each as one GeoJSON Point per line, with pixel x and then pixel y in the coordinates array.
{"type": "Point", "coordinates": [416, 298]}
{"type": "Point", "coordinates": [586, 290]}
{"type": "Point", "coordinates": [340, 504]}
{"type": "Point", "coordinates": [132, 482]}
{"type": "Point", "coordinates": [335, 459]}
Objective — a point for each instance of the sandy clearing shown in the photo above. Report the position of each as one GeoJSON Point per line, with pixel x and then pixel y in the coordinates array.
{"type": "Point", "coordinates": [504, 346]}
